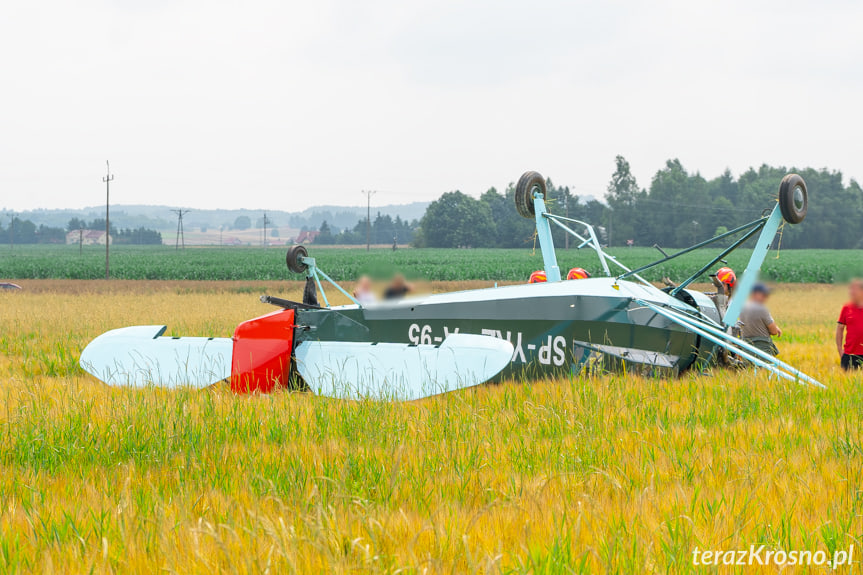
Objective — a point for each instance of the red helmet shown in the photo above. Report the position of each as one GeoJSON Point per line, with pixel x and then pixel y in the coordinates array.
{"type": "Point", "coordinates": [577, 274]}
{"type": "Point", "coordinates": [537, 277]}
{"type": "Point", "coordinates": [727, 276]}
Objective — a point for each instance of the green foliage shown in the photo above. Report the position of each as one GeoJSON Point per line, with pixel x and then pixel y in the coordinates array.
{"type": "Point", "coordinates": [20, 231]}
{"type": "Point", "coordinates": [139, 236]}
{"type": "Point", "coordinates": [383, 230]}
{"type": "Point", "coordinates": [623, 196]}
{"type": "Point", "coordinates": [76, 224]}
{"type": "Point", "coordinates": [681, 208]}
{"type": "Point", "coordinates": [326, 235]}
{"type": "Point", "coordinates": [457, 220]}
{"type": "Point", "coordinates": [346, 264]}
{"type": "Point", "coordinates": [242, 223]}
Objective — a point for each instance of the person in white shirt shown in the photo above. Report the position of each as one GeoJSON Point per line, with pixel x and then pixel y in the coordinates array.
{"type": "Point", "coordinates": [363, 290]}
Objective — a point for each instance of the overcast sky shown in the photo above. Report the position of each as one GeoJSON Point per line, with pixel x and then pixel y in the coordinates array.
{"type": "Point", "coordinates": [287, 104]}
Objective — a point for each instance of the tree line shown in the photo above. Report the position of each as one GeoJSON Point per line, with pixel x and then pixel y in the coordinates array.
{"type": "Point", "coordinates": [139, 236]}
{"type": "Point", "coordinates": [18, 231]}
{"type": "Point", "coordinates": [678, 209]}
{"type": "Point", "coordinates": [384, 230]}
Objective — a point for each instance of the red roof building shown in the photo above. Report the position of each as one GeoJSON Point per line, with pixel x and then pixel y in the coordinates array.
{"type": "Point", "coordinates": [87, 238]}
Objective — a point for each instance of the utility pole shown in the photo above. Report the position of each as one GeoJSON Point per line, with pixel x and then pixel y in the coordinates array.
{"type": "Point", "coordinates": [566, 211]}
{"type": "Point", "coordinates": [107, 179]}
{"type": "Point", "coordinates": [220, 235]}
{"type": "Point", "coordinates": [369, 195]}
{"type": "Point", "coordinates": [180, 213]}
{"type": "Point", "coordinates": [80, 241]}
{"type": "Point", "coordinates": [266, 221]}
{"type": "Point", "coordinates": [11, 230]}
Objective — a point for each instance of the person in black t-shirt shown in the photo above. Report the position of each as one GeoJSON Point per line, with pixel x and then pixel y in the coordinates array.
{"type": "Point", "coordinates": [397, 288]}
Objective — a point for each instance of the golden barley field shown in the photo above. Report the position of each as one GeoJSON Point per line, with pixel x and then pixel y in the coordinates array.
{"type": "Point", "coordinates": [613, 474]}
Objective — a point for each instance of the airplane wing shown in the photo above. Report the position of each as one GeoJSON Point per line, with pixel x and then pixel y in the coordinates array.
{"type": "Point", "coordinates": [138, 356]}
{"type": "Point", "coordinates": [397, 371]}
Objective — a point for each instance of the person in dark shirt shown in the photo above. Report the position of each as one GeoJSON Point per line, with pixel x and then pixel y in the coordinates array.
{"type": "Point", "coordinates": [397, 288]}
{"type": "Point", "coordinates": [758, 327]}
{"type": "Point", "coordinates": [850, 329]}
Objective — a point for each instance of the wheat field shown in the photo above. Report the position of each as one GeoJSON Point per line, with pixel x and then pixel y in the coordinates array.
{"type": "Point", "coordinates": [610, 474]}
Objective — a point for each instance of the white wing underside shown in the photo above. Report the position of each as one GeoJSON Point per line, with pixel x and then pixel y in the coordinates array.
{"type": "Point", "coordinates": [396, 371]}
{"type": "Point", "coordinates": [137, 356]}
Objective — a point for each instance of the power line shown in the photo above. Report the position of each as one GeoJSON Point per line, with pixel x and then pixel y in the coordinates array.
{"type": "Point", "coordinates": [180, 237]}
{"type": "Point", "coordinates": [697, 206]}
{"type": "Point", "coordinates": [107, 179]}
{"type": "Point", "coordinates": [11, 230]}
{"type": "Point", "coordinates": [266, 221]}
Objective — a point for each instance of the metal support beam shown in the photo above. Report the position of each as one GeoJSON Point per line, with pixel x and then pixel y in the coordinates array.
{"type": "Point", "coordinates": [320, 287]}
{"type": "Point", "coordinates": [338, 287]}
{"type": "Point", "coordinates": [748, 347]}
{"type": "Point", "coordinates": [546, 243]}
{"type": "Point", "coordinates": [750, 275]}
{"type": "Point", "coordinates": [315, 272]}
{"type": "Point", "coordinates": [757, 222]}
{"type": "Point", "coordinates": [734, 345]}
{"type": "Point", "coordinates": [594, 243]}
{"type": "Point", "coordinates": [587, 242]}
{"type": "Point", "coordinates": [718, 258]}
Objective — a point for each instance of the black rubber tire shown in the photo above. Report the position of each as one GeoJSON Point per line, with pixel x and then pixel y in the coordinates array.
{"type": "Point", "coordinates": [527, 184]}
{"type": "Point", "coordinates": [293, 259]}
{"type": "Point", "coordinates": [793, 199]}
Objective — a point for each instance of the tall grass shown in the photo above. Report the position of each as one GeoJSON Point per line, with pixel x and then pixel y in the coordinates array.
{"type": "Point", "coordinates": [574, 475]}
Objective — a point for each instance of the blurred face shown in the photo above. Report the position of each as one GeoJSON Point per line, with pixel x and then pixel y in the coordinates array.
{"type": "Point", "coordinates": [855, 292]}
{"type": "Point", "coordinates": [759, 297]}
{"type": "Point", "coordinates": [364, 284]}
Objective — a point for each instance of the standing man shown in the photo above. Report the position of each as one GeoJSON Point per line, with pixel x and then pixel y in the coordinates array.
{"type": "Point", "coordinates": [850, 328]}
{"type": "Point", "coordinates": [758, 326]}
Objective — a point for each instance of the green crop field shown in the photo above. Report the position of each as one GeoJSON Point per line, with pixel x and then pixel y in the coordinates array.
{"type": "Point", "coordinates": [211, 263]}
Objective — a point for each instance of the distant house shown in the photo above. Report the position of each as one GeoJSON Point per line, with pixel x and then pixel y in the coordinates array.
{"type": "Point", "coordinates": [232, 242]}
{"type": "Point", "coordinates": [87, 238]}
{"type": "Point", "coordinates": [307, 237]}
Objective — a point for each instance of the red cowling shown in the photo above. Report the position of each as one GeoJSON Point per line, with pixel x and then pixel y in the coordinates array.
{"type": "Point", "coordinates": [262, 352]}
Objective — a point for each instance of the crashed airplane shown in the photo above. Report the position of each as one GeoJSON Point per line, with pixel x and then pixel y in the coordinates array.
{"type": "Point", "coordinates": [419, 347]}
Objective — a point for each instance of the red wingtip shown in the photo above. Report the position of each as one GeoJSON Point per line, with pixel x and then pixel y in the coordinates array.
{"type": "Point", "coordinates": [261, 359]}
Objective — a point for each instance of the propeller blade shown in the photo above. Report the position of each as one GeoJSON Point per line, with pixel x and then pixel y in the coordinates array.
{"type": "Point", "coordinates": [397, 371]}
{"type": "Point", "coordinates": [137, 356]}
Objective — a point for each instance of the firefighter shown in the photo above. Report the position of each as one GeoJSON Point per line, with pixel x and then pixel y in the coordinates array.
{"type": "Point", "coordinates": [537, 277]}
{"type": "Point", "coordinates": [577, 274]}
{"type": "Point", "coordinates": [724, 279]}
